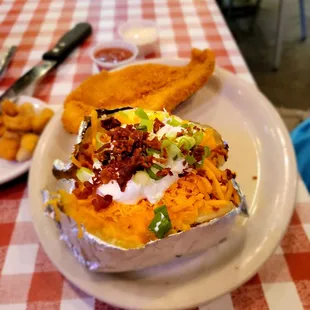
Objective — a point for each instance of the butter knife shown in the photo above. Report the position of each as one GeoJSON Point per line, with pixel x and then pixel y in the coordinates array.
{"type": "Point", "coordinates": [50, 60]}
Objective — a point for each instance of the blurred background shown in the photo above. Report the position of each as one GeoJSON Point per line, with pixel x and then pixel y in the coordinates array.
{"type": "Point", "coordinates": [273, 36]}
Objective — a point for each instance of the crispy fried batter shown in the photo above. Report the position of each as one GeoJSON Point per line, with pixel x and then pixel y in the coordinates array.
{"type": "Point", "coordinates": [152, 86]}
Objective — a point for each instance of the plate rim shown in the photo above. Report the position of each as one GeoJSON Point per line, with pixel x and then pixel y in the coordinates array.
{"type": "Point", "coordinates": [263, 256]}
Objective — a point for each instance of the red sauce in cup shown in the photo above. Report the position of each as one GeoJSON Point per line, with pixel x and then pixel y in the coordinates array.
{"type": "Point", "coordinates": [112, 54]}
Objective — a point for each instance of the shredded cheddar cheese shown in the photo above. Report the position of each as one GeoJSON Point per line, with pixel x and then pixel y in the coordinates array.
{"type": "Point", "coordinates": [127, 225]}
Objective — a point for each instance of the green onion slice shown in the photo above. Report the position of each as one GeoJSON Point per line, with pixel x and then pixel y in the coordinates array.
{"type": "Point", "coordinates": [142, 128]}
{"type": "Point", "coordinates": [206, 154]}
{"type": "Point", "coordinates": [141, 113]}
{"type": "Point", "coordinates": [99, 143]}
{"type": "Point", "coordinates": [160, 224]}
{"type": "Point", "coordinates": [166, 143]}
{"type": "Point", "coordinates": [141, 177]}
{"type": "Point", "coordinates": [190, 159]}
{"type": "Point", "coordinates": [152, 174]}
{"type": "Point", "coordinates": [173, 151]}
{"type": "Point", "coordinates": [158, 167]}
{"type": "Point", "coordinates": [147, 123]}
{"type": "Point", "coordinates": [186, 142]}
{"type": "Point", "coordinates": [151, 151]}
{"type": "Point", "coordinates": [84, 174]}
{"type": "Point", "coordinates": [198, 136]}
{"type": "Point", "coordinates": [173, 122]}
{"type": "Point", "coordinates": [163, 210]}
{"type": "Point", "coordinates": [207, 151]}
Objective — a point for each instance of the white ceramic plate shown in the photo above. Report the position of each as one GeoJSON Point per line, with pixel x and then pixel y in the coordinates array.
{"type": "Point", "coordinates": [259, 146]}
{"type": "Point", "coordinates": [10, 170]}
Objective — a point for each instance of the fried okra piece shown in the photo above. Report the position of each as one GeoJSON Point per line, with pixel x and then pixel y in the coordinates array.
{"type": "Point", "coordinates": [9, 108]}
{"type": "Point", "coordinates": [27, 146]}
{"type": "Point", "coordinates": [8, 148]}
{"type": "Point", "coordinates": [41, 119]}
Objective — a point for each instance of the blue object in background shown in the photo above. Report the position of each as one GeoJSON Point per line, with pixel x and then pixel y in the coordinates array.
{"type": "Point", "coordinates": [301, 141]}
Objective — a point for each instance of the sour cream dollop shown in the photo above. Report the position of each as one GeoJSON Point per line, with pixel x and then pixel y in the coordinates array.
{"type": "Point", "coordinates": [153, 191]}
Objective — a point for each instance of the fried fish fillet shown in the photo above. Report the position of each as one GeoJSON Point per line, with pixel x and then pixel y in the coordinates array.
{"type": "Point", "coordinates": [151, 86]}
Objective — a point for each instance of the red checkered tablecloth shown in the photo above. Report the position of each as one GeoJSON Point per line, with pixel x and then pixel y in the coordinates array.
{"type": "Point", "coordinates": [28, 280]}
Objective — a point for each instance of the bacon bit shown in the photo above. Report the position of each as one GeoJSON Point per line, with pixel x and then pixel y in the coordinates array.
{"type": "Point", "coordinates": [105, 175]}
{"type": "Point", "coordinates": [201, 172]}
{"type": "Point", "coordinates": [254, 177]}
{"type": "Point", "coordinates": [221, 151]}
{"type": "Point", "coordinates": [230, 174]}
{"type": "Point", "coordinates": [153, 144]}
{"type": "Point", "coordinates": [88, 184]}
{"type": "Point", "coordinates": [85, 146]}
{"type": "Point", "coordinates": [180, 133]}
{"type": "Point", "coordinates": [157, 125]}
{"type": "Point", "coordinates": [110, 123]}
{"type": "Point", "coordinates": [198, 152]}
{"type": "Point", "coordinates": [127, 155]}
{"type": "Point", "coordinates": [223, 181]}
{"type": "Point", "coordinates": [160, 160]}
{"type": "Point", "coordinates": [82, 194]}
{"type": "Point", "coordinates": [215, 208]}
{"type": "Point", "coordinates": [102, 202]}
{"type": "Point", "coordinates": [163, 172]}
{"type": "Point", "coordinates": [97, 181]}
{"type": "Point", "coordinates": [165, 153]}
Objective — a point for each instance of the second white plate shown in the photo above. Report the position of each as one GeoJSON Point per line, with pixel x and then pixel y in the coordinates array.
{"type": "Point", "coordinates": [10, 170]}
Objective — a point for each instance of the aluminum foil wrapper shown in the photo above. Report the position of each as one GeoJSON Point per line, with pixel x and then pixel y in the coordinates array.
{"type": "Point", "coordinates": [99, 256]}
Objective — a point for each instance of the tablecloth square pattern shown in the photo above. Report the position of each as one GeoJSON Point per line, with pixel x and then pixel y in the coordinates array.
{"type": "Point", "coordinates": [70, 291]}
{"type": "Point", "coordinates": [303, 211]}
{"type": "Point", "coordinates": [46, 305]}
{"type": "Point", "coordinates": [303, 288]}
{"type": "Point", "coordinates": [295, 240]}
{"type": "Point", "coordinates": [35, 26]}
{"type": "Point", "coordinates": [295, 220]}
{"type": "Point", "coordinates": [20, 259]}
{"type": "Point", "coordinates": [282, 296]}
{"type": "Point", "coordinates": [275, 270]}
{"type": "Point", "coordinates": [249, 296]}
{"type": "Point", "coordinates": [6, 233]}
{"type": "Point", "coordinates": [9, 210]}
{"type": "Point", "coordinates": [46, 286]}
{"type": "Point", "coordinates": [80, 304]}
{"type": "Point", "coordinates": [43, 263]}
{"type": "Point", "coordinates": [24, 233]}
{"type": "Point", "coordinates": [14, 307]}
{"type": "Point", "coordinates": [3, 250]}
{"type": "Point", "coordinates": [298, 264]}
{"type": "Point", "coordinates": [14, 288]}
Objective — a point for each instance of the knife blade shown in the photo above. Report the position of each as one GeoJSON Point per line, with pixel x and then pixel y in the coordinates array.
{"type": "Point", "coordinates": [50, 60]}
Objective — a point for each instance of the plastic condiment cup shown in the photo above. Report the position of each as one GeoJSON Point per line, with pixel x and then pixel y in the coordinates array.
{"type": "Point", "coordinates": [113, 44]}
{"type": "Point", "coordinates": [142, 33]}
